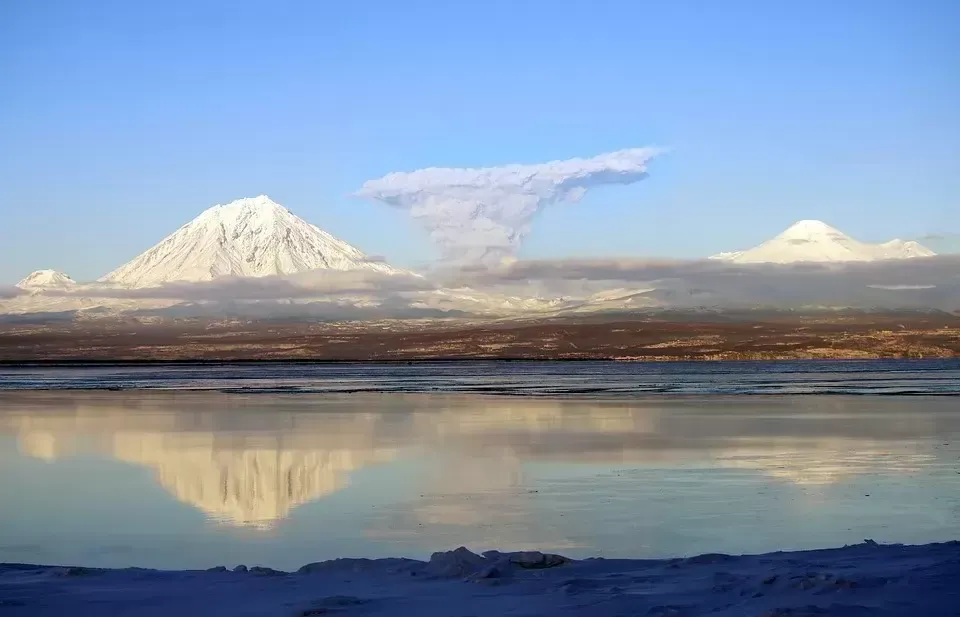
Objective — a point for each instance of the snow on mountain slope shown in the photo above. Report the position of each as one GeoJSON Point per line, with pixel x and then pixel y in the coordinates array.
{"type": "Point", "coordinates": [77, 302]}
{"type": "Point", "coordinates": [42, 279]}
{"type": "Point", "coordinates": [250, 237]}
{"type": "Point", "coordinates": [483, 302]}
{"type": "Point", "coordinates": [817, 241]}
{"type": "Point", "coordinates": [901, 249]}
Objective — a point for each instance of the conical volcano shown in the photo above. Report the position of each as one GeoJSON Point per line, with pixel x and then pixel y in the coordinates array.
{"type": "Point", "coordinates": [249, 237]}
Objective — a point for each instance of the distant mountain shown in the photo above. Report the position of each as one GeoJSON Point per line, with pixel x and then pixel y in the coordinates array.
{"type": "Point", "coordinates": [46, 279]}
{"type": "Point", "coordinates": [250, 237]}
{"type": "Point", "coordinates": [807, 241]}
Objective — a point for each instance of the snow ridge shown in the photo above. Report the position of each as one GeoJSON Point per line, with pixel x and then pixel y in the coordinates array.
{"type": "Point", "coordinates": [815, 241]}
{"type": "Point", "coordinates": [860, 579]}
{"type": "Point", "coordinates": [250, 237]}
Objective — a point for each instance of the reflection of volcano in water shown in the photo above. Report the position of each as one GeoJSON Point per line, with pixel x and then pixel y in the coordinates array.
{"type": "Point", "coordinates": [246, 461]}
{"type": "Point", "coordinates": [252, 486]}
{"type": "Point", "coordinates": [247, 479]}
{"type": "Point", "coordinates": [256, 485]}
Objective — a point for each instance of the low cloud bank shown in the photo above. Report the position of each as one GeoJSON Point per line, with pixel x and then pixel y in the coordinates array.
{"type": "Point", "coordinates": [942, 268]}
{"type": "Point", "coordinates": [315, 284]}
{"type": "Point", "coordinates": [921, 283]}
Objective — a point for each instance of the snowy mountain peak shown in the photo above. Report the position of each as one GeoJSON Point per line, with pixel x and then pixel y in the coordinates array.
{"type": "Point", "coordinates": [251, 237]}
{"type": "Point", "coordinates": [247, 215]}
{"type": "Point", "coordinates": [811, 230]}
{"type": "Point", "coordinates": [815, 241]}
{"type": "Point", "coordinates": [42, 279]}
{"type": "Point", "coordinates": [260, 201]}
{"type": "Point", "coordinates": [261, 206]}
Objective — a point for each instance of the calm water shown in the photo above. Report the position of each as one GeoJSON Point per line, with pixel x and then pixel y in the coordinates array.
{"type": "Point", "coordinates": [899, 377]}
{"type": "Point", "coordinates": [222, 465]}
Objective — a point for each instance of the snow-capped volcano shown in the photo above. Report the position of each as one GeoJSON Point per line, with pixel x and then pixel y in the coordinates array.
{"type": "Point", "coordinates": [45, 279]}
{"type": "Point", "coordinates": [817, 241]}
{"type": "Point", "coordinates": [248, 237]}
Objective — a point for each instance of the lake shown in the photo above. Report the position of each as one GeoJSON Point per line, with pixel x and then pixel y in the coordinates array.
{"type": "Point", "coordinates": [281, 465]}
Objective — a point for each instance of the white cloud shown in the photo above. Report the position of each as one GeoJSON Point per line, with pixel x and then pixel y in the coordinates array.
{"type": "Point", "coordinates": [482, 215]}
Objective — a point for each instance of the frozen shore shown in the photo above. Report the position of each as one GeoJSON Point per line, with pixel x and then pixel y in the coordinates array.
{"type": "Point", "coordinates": [864, 579]}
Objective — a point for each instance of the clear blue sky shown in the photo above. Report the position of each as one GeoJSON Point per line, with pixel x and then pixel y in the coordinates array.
{"type": "Point", "coordinates": [120, 120]}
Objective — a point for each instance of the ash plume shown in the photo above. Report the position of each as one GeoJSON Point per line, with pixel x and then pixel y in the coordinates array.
{"type": "Point", "coordinates": [482, 215]}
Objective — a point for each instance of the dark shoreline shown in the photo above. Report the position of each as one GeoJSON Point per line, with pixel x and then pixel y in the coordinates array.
{"type": "Point", "coordinates": [780, 337]}
{"type": "Point", "coordinates": [69, 363]}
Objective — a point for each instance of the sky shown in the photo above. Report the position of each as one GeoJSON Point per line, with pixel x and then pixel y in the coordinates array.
{"type": "Point", "coordinates": [120, 121]}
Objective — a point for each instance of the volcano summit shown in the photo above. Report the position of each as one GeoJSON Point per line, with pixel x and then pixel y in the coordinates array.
{"type": "Point", "coordinates": [248, 237]}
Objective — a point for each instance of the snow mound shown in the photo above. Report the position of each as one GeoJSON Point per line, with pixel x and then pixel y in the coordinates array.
{"type": "Point", "coordinates": [42, 279]}
{"type": "Point", "coordinates": [815, 241]}
{"type": "Point", "coordinates": [250, 237]}
{"type": "Point", "coordinates": [467, 565]}
{"type": "Point", "coordinates": [864, 579]}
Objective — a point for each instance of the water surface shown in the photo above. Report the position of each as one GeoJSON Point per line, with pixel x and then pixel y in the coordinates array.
{"type": "Point", "coordinates": [879, 377]}
{"type": "Point", "coordinates": [201, 478]}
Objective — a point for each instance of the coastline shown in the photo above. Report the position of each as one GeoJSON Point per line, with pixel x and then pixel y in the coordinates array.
{"type": "Point", "coordinates": [453, 361]}
{"type": "Point", "coordinates": [862, 579]}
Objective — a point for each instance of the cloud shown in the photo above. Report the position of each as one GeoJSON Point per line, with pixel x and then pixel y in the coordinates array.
{"type": "Point", "coordinates": [313, 284]}
{"type": "Point", "coordinates": [932, 282]}
{"type": "Point", "coordinates": [482, 215]}
{"type": "Point", "coordinates": [374, 259]}
{"type": "Point", "coordinates": [321, 310]}
{"type": "Point", "coordinates": [944, 266]}
{"type": "Point", "coordinates": [8, 292]}
{"type": "Point", "coordinates": [356, 295]}
{"type": "Point", "coordinates": [554, 286]}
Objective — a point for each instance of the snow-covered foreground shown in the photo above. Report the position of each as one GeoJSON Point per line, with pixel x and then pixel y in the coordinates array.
{"type": "Point", "coordinates": [866, 579]}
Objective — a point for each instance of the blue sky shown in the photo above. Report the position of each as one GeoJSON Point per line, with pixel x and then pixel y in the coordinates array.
{"type": "Point", "coordinates": [120, 121]}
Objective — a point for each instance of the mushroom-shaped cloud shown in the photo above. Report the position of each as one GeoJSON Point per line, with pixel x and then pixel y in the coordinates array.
{"type": "Point", "coordinates": [482, 215]}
